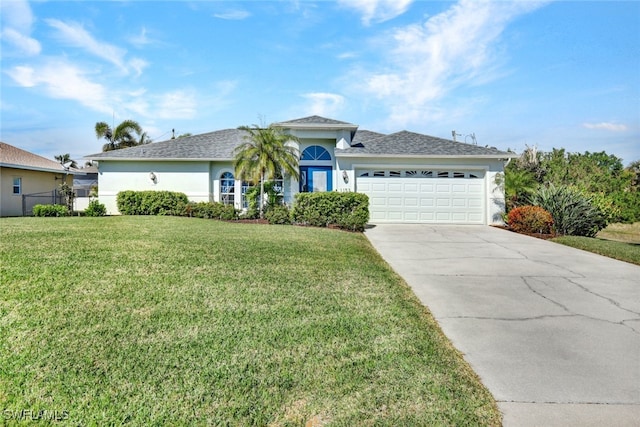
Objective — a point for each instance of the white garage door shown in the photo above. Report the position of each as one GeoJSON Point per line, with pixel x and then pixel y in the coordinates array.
{"type": "Point", "coordinates": [426, 196]}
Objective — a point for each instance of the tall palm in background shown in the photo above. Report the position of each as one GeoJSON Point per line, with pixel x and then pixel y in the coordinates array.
{"type": "Point", "coordinates": [127, 134]}
{"type": "Point", "coordinates": [66, 159]}
{"type": "Point", "coordinates": [266, 153]}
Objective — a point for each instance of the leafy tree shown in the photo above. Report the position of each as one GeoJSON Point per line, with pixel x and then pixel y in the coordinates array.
{"type": "Point", "coordinates": [66, 158]}
{"type": "Point", "coordinates": [599, 176]}
{"type": "Point", "coordinates": [634, 170]}
{"type": "Point", "coordinates": [265, 154]}
{"type": "Point", "coordinates": [127, 134]}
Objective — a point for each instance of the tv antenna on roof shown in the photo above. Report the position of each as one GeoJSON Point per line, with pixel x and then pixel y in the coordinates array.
{"type": "Point", "coordinates": [454, 134]}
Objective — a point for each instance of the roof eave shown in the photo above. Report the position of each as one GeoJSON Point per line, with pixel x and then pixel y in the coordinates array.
{"type": "Point", "coordinates": [36, 168]}
{"type": "Point", "coordinates": [430, 156]}
{"type": "Point", "coordinates": [160, 159]}
{"type": "Point", "coordinates": [316, 126]}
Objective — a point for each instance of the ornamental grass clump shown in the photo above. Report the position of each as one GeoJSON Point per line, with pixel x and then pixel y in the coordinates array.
{"type": "Point", "coordinates": [530, 219]}
{"type": "Point", "coordinates": [574, 214]}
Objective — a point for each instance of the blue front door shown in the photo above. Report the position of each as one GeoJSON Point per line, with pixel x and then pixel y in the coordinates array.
{"type": "Point", "coordinates": [315, 178]}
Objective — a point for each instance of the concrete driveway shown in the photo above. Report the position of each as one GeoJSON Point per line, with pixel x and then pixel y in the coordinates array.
{"type": "Point", "coordinates": [553, 332]}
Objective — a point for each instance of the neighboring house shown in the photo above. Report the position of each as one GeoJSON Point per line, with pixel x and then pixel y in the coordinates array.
{"type": "Point", "coordinates": [27, 179]}
{"type": "Point", "coordinates": [409, 177]}
{"type": "Point", "coordinates": [84, 185]}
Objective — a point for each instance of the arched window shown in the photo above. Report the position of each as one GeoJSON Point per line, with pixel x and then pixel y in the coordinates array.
{"type": "Point", "coordinates": [227, 187]}
{"type": "Point", "coordinates": [315, 152]}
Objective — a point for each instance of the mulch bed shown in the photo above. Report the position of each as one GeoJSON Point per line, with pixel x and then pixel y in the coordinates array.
{"type": "Point", "coordinates": [536, 235]}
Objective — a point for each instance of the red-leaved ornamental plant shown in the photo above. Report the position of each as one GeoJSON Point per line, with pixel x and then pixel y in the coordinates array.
{"type": "Point", "coordinates": [530, 219]}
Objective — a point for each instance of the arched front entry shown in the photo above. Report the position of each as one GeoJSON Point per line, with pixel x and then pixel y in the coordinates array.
{"type": "Point", "coordinates": [316, 174]}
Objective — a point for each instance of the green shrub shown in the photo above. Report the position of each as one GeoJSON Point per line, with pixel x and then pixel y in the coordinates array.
{"type": "Point", "coordinates": [530, 219]}
{"type": "Point", "coordinates": [278, 214]}
{"type": "Point", "coordinates": [211, 210]}
{"type": "Point", "coordinates": [95, 208]}
{"type": "Point", "coordinates": [151, 202]}
{"type": "Point", "coordinates": [573, 213]}
{"type": "Point", "coordinates": [345, 210]}
{"type": "Point", "coordinates": [50, 210]}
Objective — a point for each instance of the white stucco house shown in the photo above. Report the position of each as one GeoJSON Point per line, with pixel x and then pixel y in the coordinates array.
{"type": "Point", "coordinates": [409, 177]}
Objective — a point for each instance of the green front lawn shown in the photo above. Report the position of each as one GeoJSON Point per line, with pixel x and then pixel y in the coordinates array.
{"type": "Point", "coordinates": [618, 241]}
{"type": "Point", "coordinates": [178, 321]}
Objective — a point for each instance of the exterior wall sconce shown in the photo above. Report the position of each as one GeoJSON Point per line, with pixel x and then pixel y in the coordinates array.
{"type": "Point", "coordinates": [345, 177]}
{"type": "Point", "coordinates": [153, 177]}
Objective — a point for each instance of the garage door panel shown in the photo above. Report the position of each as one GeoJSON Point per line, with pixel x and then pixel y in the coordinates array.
{"type": "Point", "coordinates": [459, 203]}
{"type": "Point", "coordinates": [394, 186]}
{"type": "Point", "coordinates": [424, 200]}
{"type": "Point", "coordinates": [443, 203]}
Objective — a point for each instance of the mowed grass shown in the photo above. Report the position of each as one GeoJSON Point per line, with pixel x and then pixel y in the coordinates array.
{"type": "Point", "coordinates": [178, 321]}
{"type": "Point", "coordinates": [618, 241]}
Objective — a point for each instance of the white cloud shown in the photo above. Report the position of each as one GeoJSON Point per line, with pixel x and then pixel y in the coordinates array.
{"type": "Point", "coordinates": [324, 104]}
{"type": "Point", "coordinates": [179, 104]}
{"type": "Point", "coordinates": [426, 62]}
{"type": "Point", "coordinates": [377, 10]}
{"type": "Point", "coordinates": [141, 40]}
{"type": "Point", "coordinates": [62, 80]}
{"type": "Point", "coordinates": [75, 35]}
{"type": "Point", "coordinates": [612, 127]}
{"type": "Point", "coordinates": [138, 65]}
{"type": "Point", "coordinates": [25, 44]}
{"type": "Point", "coordinates": [233, 15]}
{"type": "Point", "coordinates": [17, 20]}
{"type": "Point", "coordinates": [17, 14]}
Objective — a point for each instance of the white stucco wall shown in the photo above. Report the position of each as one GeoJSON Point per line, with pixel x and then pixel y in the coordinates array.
{"type": "Point", "coordinates": [191, 178]}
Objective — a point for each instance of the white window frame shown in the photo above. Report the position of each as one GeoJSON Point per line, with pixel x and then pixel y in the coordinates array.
{"type": "Point", "coordinates": [18, 186]}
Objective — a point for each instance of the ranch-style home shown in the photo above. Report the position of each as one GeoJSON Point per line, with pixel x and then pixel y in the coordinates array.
{"type": "Point", "coordinates": [27, 179]}
{"type": "Point", "coordinates": [409, 177]}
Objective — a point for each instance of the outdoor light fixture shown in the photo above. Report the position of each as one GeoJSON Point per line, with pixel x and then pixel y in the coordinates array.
{"type": "Point", "coordinates": [153, 177]}
{"type": "Point", "coordinates": [345, 177]}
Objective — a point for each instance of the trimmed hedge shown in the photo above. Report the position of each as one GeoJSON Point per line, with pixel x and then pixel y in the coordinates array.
{"type": "Point", "coordinates": [530, 219]}
{"type": "Point", "coordinates": [212, 210]}
{"type": "Point", "coordinates": [151, 202]}
{"type": "Point", "coordinates": [345, 210]}
{"type": "Point", "coordinates": [278, 214]}
{"type": "Point", "coordinates": [50, 210]}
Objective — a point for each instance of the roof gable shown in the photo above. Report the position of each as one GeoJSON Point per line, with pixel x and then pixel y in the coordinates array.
{"type": "Point", "coordinates": [313, 120]}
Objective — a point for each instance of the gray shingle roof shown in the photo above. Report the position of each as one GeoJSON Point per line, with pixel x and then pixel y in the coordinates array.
{"type": "Point", "coordinates": [407, 143]}
{"type": "Point", "coordinates": [218, 145]}
{"type": "Point", "coordinates": [314, 120]}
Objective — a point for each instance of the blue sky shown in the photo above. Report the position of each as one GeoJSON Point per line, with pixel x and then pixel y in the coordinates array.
{"type": "Point", "coordinates": [537, 73]}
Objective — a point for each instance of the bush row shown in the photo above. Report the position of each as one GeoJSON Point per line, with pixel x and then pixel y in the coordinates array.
{"type": "Point", "coordinates": [50, 210]}
{"type": "Point", "coordinates": [151, 202]}
{"type": "Point", "coordinates": [209, 210]}
{"type": "Point", "coordinates": [344, 210]}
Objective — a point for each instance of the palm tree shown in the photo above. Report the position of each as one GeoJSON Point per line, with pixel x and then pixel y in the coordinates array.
{"type": "Point", "coordinates": [66, 158]}
{"type": "Point", "coordinates": [122, 136]}
{"type": "Point", "coordinates": [265, 154]}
